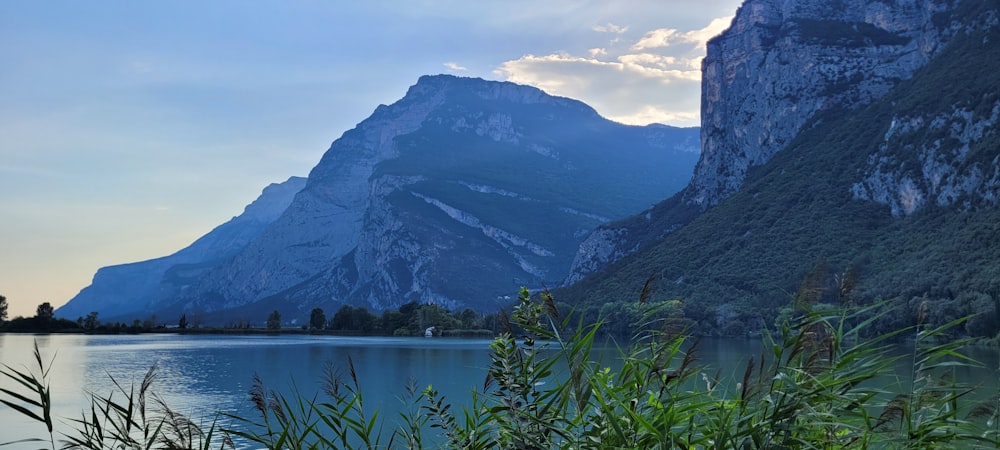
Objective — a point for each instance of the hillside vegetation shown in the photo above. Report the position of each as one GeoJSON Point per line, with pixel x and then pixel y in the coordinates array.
{"type": "Point", "coordinates": [795, 229]}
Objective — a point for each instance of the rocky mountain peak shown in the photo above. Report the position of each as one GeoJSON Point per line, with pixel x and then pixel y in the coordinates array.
{"type": "Point", "coordinates": [890, 204]}
{"type": "Point", "coordinates": [774, 70]}
{"type": "Point", "coordinates": [782, 62]}
{"type": "Point", "coordinates": [460, 147]}
{"type": "Point", "coordinates": [273, 200]}
{"type": "Point", "coordinates": [504, 91]}
{"type": "Point", "coordinates": [457, 194]}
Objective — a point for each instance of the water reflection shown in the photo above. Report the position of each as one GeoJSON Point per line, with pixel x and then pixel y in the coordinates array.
{"type": "Point", "coordinates": [199, 375]}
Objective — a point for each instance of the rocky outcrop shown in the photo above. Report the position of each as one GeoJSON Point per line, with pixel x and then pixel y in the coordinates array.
{"type": "Point", "coordinates": [600, 247]}
{"type": "Point", "coordinates": [781, 62]}
{"type": "Point", "coordinates": [931, 159]}
{"type": "Point", "coordinates": [763, 79]}
{"type": "Point", "coordinates": [131, 290]}
{"type": "Point", "coordinates": [326, 220]}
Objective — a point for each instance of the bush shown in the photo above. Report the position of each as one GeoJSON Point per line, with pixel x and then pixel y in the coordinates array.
{"type": "Point", "coordinates": [810, 388]}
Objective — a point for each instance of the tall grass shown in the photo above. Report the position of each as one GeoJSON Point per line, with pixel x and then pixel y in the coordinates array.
{"type": "Point", "coordinates": [819, 383]}
{"type": "Point", "coordinates": [127, 418]}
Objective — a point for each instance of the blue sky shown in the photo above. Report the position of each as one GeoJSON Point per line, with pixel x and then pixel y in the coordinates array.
{"type": "Point", "coordinates": [129, 129]}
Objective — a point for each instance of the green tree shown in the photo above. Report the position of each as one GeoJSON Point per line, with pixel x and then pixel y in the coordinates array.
{"type": "Point", "coordinates": [3, 308]}
{"type": "Point", "coordinates": [390, 321]}
{"type": "Point", "coordinates": [91, 323]}
{"type": "Point", "coordinates": [44, 312]}
{"type": "Point", "coordinates": [407, 323]}
{"type": "Point", "coordinates": [274, 320]}
{"type": "Point", "coordinates": [150, 323]}
{"type": "Point", "coordinates": [433, 316]}
{"type": "Point", "coordinates": [349, 318]}
{"type": "Point", "coordinates": [364, 321]}
{"type": "Point", "coordinates": [341, 320]}
{"type": "Point", "coordinates": [317, 319]}
{"type": "Point", "coordinates": [471, 320]}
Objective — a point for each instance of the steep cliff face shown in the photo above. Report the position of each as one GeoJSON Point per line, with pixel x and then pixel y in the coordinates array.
{"type": "Point", "coordinates": [780, 62]}
{"type": "Point", "coordinates": [893, 204]}
{"type": "Point", "coordinates": [778, 65]}
{"type": "Point", "coordinates": [943, 152]}
{"type": "Point", "coordinates": [325, 222]}
{"type": "Point", "coordinates": [456, 195]}
{"type": "Point", "coordinates": [938, 158]}
{"type": "Point", "coordinates": [129, 289]}
{"type": "Point", "coordinates": [895, 201]}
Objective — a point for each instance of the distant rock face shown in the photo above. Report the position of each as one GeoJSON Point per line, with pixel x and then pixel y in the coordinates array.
{"type": "Point", "coordinates": [136, 288]}
{"type": "Point", "coordinates": [764, 78]}
{"type": "Point", "coordinates": [945, 169]}
{"type": "Point", "coordinates": [781, 62]}
{"type": "Point", "coordinates": [457, 194]}
{"type": "Point", "coordinates": [602, 246]}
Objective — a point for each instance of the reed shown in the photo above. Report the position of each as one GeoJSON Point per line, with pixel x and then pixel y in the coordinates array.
{"type": "Point", "coordinates": [814, 386]}
{"type": "Point", "coordinates": [128, 418]}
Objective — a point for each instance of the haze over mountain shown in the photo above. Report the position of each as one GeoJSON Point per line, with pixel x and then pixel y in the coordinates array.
{"type": "Point", "coordinates": [850, 154]}
{"type": "Point", "coordinates": [137, 287]}
{"type": "Point", "coordinates": [457, 194]}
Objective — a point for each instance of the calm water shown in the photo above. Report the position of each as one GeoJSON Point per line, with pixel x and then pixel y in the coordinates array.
{"type": "Point", "coordinates": [199, 375]}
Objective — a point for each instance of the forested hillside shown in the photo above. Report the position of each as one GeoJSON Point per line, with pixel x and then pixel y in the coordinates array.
{"type": "Point", "coordinates": [801, 225]}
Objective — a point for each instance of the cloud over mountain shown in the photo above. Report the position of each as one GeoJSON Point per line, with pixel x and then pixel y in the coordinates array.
{"type": "Point", "coordinates": [663, 67]}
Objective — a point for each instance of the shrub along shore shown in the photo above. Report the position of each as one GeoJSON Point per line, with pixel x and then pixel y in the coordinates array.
{"type": "Point", "coordinates": [813, 386]}
{"type": "Point", "coordinates": [411, 319]}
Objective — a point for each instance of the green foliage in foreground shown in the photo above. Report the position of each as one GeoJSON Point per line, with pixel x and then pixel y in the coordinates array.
{"type": "Point", "coordinates": [812, 387]}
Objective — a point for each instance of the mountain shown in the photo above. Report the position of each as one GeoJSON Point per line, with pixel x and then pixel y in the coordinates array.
{"type": "Point", "coordinates": [763, 79]}
{"type": "Point", "coordinates": [456, 194]}
{"type": "Point", "coordinates": [878, 183]}
{"type": "Point", "coordinates": [134, 290]}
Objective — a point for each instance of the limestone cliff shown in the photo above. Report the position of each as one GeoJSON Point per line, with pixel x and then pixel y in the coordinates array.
{"type": "Point", "coordinates": [457, 194]}
{"type": "Point", "coordinates": [892, 205]}
{"type": "Point", "coordinates": [935, 158]}
{"type": "Point", "coordinates": [779, 64]}
{"type": "Point", "coordinates": [782, 61]}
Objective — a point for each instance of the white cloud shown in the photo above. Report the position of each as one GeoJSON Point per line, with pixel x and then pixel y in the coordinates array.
{"type": "Point", "coordinates": [666, 37]}
{"type": "Point", "coordinates": [653, 114]}
{"type": "Point", "coordinates": [716, 27]}
{"type": "Point", "coordinates": [454, 66]}
{"type": "Point", "coordinates": [654, 78]}
{"type": "Point", "coordinates": [662, 37]}
{"type": "Point", "coordinates": [610, 28]}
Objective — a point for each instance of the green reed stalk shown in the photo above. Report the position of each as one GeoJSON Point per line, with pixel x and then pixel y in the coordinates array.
{"type": "Point", "coordinates": [815, 385]}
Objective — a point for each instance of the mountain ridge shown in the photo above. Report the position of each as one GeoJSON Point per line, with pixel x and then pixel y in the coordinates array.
{"type": "Point", "coordinates": [776, 67]}
{"type": "Point", "coordinates": [800, 228]}
{"type": "Point", "coordinates": [455, 195]}
{"type": "Point", "coordinates": [133, 287]}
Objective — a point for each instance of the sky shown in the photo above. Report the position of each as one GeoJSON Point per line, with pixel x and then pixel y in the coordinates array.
{"type": "Point", "coordinates": [129, 129]}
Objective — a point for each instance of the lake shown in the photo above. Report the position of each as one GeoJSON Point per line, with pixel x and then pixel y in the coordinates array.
{"type": "Point", "coordinates": [201, 374]}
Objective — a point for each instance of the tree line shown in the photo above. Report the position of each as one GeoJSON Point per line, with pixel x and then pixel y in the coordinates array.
{"type": "Point", "coordinates": [411, 319]}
